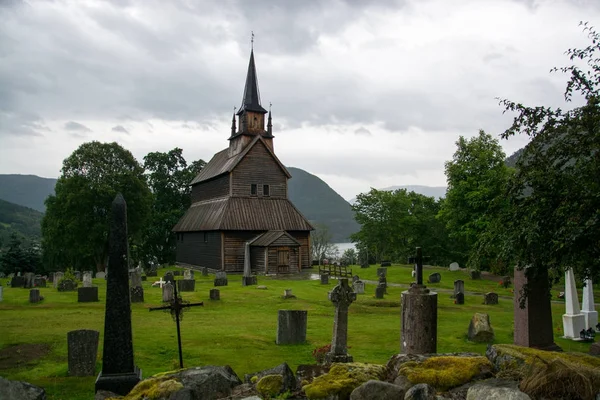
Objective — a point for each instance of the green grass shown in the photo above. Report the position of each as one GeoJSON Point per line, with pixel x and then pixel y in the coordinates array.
{"type": "Point", "coordinates": [240, 329]}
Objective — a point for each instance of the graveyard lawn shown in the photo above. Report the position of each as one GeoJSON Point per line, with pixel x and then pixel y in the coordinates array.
{"type": "Point", "coordinates": [240, 329]}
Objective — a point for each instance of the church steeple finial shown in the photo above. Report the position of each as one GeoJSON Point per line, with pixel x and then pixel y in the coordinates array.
{"type": "Point", "coordinates": [233, 128]}
{"type": "Point", "coordinates": [270, 122]}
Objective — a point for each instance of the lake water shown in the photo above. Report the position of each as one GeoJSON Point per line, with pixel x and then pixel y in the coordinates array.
{"type": "Point", "coordinates": [344, 246]}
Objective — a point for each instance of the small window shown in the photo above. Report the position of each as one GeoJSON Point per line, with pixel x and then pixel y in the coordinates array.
{"type": "Point", "coordinates": [266, 190]}
{"type": "Point", "coordinates": [205, 237]}
{"type": "Point", "coordinates": [253, 189]}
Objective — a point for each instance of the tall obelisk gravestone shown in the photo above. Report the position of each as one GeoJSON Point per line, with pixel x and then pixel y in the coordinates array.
{"type": "Point", "coordinates": [419, 316]}
{"type": "Point", "coordinates": [119, 374]}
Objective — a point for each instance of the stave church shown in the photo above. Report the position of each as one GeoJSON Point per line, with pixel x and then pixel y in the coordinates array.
{"type": "Point", "coordinates": [240, 210]}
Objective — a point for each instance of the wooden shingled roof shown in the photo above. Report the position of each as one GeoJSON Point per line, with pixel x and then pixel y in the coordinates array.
{"type": "Point", "coordinates": [221, 163]}
{"type": "Point", "coordinates": [243, 213]}
{"type": "Point", "coordinates": [268, 238]}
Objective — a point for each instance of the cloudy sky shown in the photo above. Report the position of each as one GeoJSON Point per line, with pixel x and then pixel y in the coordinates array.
{"type": "Point", "coordinates": [364, 93]}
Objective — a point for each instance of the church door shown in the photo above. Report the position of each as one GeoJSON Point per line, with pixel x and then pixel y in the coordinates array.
{"type": "Point", "coordinates": [283, 260]}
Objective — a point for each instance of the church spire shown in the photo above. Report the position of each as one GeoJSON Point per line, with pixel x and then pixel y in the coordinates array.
{"type": "Point", "coordinates": [251, 99]}
{"type": "Point", "coordinates": [233, 128]}
{"type": "Point", "coordinates": [270, 123]}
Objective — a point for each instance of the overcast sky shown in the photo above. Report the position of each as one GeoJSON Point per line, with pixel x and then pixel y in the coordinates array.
{"type": "Point", "coordinates": [364, 93]}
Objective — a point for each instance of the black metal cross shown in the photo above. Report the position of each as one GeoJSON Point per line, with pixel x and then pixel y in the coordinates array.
{"type": "Point", "coordinates": [176, 307]}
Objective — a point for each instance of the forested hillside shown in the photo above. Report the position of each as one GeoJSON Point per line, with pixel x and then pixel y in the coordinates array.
{"type": "Point", "coordinates": [16, 218]}
{"type": "Point", "coordinates": [26, 190]}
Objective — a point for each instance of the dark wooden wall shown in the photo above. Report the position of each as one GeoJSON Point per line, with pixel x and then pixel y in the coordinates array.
{"type": "Point", "coordinates": [257, 259]}
{"type": "Point", "coordinates": [259, 167]}
{"type": "Point", "coordinates": [304, 238]}
{"type": "Point", "coordinates": [211, 189]}
{"type": "Point", "coordinates": [192, 249]}
{"type": "Point", "coordinates": [234, 249]}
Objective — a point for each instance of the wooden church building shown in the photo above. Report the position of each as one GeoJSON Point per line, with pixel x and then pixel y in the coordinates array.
{"type": "Point", "coordinates": [240, 202]}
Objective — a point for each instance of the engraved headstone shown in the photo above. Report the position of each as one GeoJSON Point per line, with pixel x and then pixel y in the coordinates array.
{"type": "Point", "coordinates": [204, 271]}
{"type": "Point", "coordinates": [475, 274]}
{"type": "Point", "coordinates": [359, 287]}
{"type": "Point", "coordinates": [87, 294]}
{"type": "Point", "coordinates": [82, 351]}
{"type": "Point", "coordinates": [573, 318]}
{"type": "Point", "coordinates": [215, 294]}
{"type": "Point", "coordinates": [379, 292]}
{"type": "Point", "coordinates": [490, 298]}
{"type": "Point", "coordinates": [324, 279]}
{"type": "Point", "coordinates": [39, 281]}
{"type": "Point", "coordinates": [29, 280]}
{"type": "Point", "coordinates": [291, 327]}
{"type": "Point", "coordinates": [101, 275]}
{"type": "Point", "coordinates": [459, 287]}
{"type": "Point", "coordinates": [188, 274]}
{"type": "Point", "coordinates": [136, 291]}
{"type": "Point", "coordinates": [169, 277]}
{"type": "Point", "coordinates": [454, 266]}
{"type": "Point", "coordinates": [167, 292]}
{"type": "Point", "coordinates": [119, 373]}
{"type": "Point", "coordinates": [459, 298]}
{"type": "Point", "coordinates": [87, 279]}
{"type": "Point", "coordinates": [34, 296]}
{"type": "Point", "coordinates": [186, 285]}
{"type": "Point", "coordinates": [588, 308]}
{"type": "Point", "coordinates": [341, 296]}
{"type": "Point", "coordinates": [58, 276]}
{"type": "Point", "coordinates": [221, 278]}
{"type": "Point", "coordinates": [436, 277]}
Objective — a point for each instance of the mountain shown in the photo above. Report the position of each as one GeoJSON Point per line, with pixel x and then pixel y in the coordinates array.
{"type": "Point", "coordinates": [429, 191]}
{"type": "Point", "coordinates": [16, 218]}
{"type": "Point", "coordinates": [26, 190]}
{"type": "Point", "coordinates": [321, 204]}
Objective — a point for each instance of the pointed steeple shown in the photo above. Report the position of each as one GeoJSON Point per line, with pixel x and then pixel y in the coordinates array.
{"type": "Point", "coordinates": [251, 99]}
{"type": "Point", "coordinates": [269, 124]}
{"type": "Point", "coordinates": [233, 128]}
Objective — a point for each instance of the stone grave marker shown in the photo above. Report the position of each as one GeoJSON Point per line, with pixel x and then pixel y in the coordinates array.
{"type": "Point", "coordinates": [29, 280]}
{"type": "Point", "coordinates": [87, 279]}
{"type": "Point", "coordinates": [359, 287]}
{"type": "Point", "coordinates": [39, 281]}
{"type": "Point", "coordinates": [82, 350]}
{"type": "Point", "coordinates": [588, 308]}
{"type": "Point", "coordinates": [204, 271]}
{"type": "Point", "coordinates": [454, 266]}
{"type": "Point", "coordinates": [248, 279]}
{"type": "Point", "coordinates": [136, 290]}
{"type": "Point", "coordinates": [291, 327]}
{"type": "Point", "coordinates": [341, 296]}
{"type": "Point", "coordinates": [215, 294]}
{"type": "Point", "coordinates": [490, 298]}
{"type": "Point", "coordinates": [87, 294]}
{"type": "Point", "coordinates": [169, 277]}
{"type": "Point", "coordinates": [325, 279]}
{"type": "Point", "coordinates": [382, 270]}
{"type": "Point", "coordinates": [34, 296]}
{"type": "Point", "coordinates": [287, 294]}
{"type": "Point", "coordinates": [177, 273]}
{"type": "Point", "coordinates": [17, 282]}
{"type": "Point", "coordinates": [436, 277]}
{"type": "Point", "coordinates": [119, 373]}
{"type": "Point", "coordinates": [58, 276]}
{"type": "Point", "coordinates": [379, 292]}
{"type": "Point", "coordinates": [480, 329]}
{"type": "Point", "coordinates": [573, 318]}
{"type": "Point", "coordinates": [220, 278]}
{"type": "Point", "coordinates": [475, 274]}
{"type": "Point", "coordinates": [383, 283]}
{"type": "Point", "coordinates": [459, 298]}
{"type": "Point", "coordinates": [355, 278]}
{"type": "Point", "coordinates": [188, 274]}
{"type": "Point", "coordinates": [459, 287]}
{"type": "Point", "coordinates": [167, 292]}
{"type": "Point", "coordinates": [186, 285]}
{"type": "Point", "coordinates": [101, 275]}
{"type": "Point", "coordinates": [77, 275]}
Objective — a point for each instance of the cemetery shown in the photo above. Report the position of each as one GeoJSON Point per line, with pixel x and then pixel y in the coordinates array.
{"type": "Point", "coordinates": [216, 334]}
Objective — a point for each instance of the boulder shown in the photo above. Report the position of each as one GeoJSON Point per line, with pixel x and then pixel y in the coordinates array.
{"type": "Point", "coordinates": [342, 379]}
{"type": "Point", "coordinates": [20, 390]}
{"type": "Point", "coordinates": [496, 389]}
{"type": "Point", "coordinates": [421, 391]}
{"type": "Point", "coordinates": [375, 390]}
{"type": "Point", "coordinates": [480, 329]}
{"type": "Point", "coordinates": [403, 383]}
{"type": "Point", "coordinates": [288, 380]}
{"type": "Point", "coordinates": [595, 349]}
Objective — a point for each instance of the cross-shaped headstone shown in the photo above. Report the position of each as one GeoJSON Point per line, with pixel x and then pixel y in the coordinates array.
{"type": "Point", "coordinates": [176, 307]}
{"type": "Point", "coordinates": [341, 296]}
{"type": "Point", "coordinates": [418, 261]}
{"type": "Point", "coordinates": [160, 283]}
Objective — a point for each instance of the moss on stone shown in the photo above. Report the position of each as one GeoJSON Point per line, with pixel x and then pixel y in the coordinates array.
{"type": "Point", "coordinates": [342, 379]}
{"type": "Point", "coordinates": [154, 388]}
{"type": "Point", "coordinates": [254, 379]}
{"type": "Point", "coordinates": [528, 355]}
{"type": "Point", "coordinates": [269, 385]}
{"type": "Point", "coordinates": [445, 372]}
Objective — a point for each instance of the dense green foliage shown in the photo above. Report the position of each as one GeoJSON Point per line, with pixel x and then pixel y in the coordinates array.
{"type": "Point", "coordinates": [76, 224]}
{"type": "Point", "coordinates": [18, 219]}
{"type": "Point", "coordinates": [553, 218]}
{"type": "Point", "coordinates": [20, 256]}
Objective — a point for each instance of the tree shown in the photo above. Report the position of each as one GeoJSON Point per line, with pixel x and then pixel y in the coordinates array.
{"type": "Point", "coordinates": [321, 244]}
{"type": "Point", "coordinates": [20, 256]}
{"type": "Point", "coordinates": [169, 178]}
{"type": "Point", "coordinates": [349, 257]}
{"type": "Point", "coordinates": [554, 215]}
{"type": "Point", "coordinates": [477, 179]}
{"type": "Point", "coordinates": [76, 224]}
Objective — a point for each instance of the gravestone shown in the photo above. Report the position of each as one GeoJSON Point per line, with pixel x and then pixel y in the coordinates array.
{"type": "Point", "coordinates": [454, 266]}
{"type": "Point", "coordinates": [364, 264]}
{"type": "Point", "coordinates": [324, 279]}
{"type": "Point", "coordinates": [167, 292]}
{"type": "Point", "coordinates": [87, 279]}
{"type": "Point", "coordinates": [204, 271]}
{"type": "Point", "coordinates": [475, 274]}
{"type": "Point", "coordinates": [17, 282]}
{"type": "Point", "coordinates": [291, 326]}
{"type": "Point", "coordinates": [186, 285]}
{"type": "Point", "coordinates": [188, 274]}
{"type": "Point", "coordinates": [67, 285]}
{"type": "Point", "coordinates": [573, 319]}
{"type": "Point", "coordinates": [382, 283]}
{"type": "Point", "coordinates": [341, 296]}
{"type": "Point", "coordinates": [386, 264]}
{"type": "Point", "coordinates": [1, 293]}
{"type": "Point", "coordinates": [379, 292]}
{"type": "Point", "coordinates": [177, 273]}
{"type": "Point", "coordinates": [215, 294]}
{"type": "Point", "coordinates": [287, 294]}
{"type": "Point", "coordinates": [533, 323]}
{"type": "Point", "coordinates": [382, 271]}
{"type": "Point", "coordinates": [87, 294]}
{"type": "Point", "coordinates": [459, 287]}
{"type": "Point", "coordinates": [77, 275]}
{"type": "Point", "coordinates": [38, 281]}
{"type": "Point", "coordinates": [435, 278]}
{"type": "Point", "coordinates": [490, 298]}
{"type": "Point", "coordinates": [136, 291]}
{"type": "Point", "coordinates": [83, 349]}
{"type": "Point", "coordinates": [480, 329]}
{"type": "Point", "coordinates": [101, 275]}
{"type": "Point", "coordinates": [169, 277]}
{"type": "Point", "coordinates": [505, 281]}
{"type": "Point", "coordinates": [119, 374]}
{"type": "Point", "coordinates": [220, 278]}
{"type": "Point", "coordinates": [459, 298]}
{"type": "Point", "coordinates": [588, 308]}
{"type": "Point", "coordinates": [34, 296]}
{"type": "Point", "coordinates": [51, 277]}
{"type": "Point", "coordinates": [247, 278]}
{"type": "Point", "coordinates": [58, 276]}
{"type": "Point", "coordinates": [359, 287]}
{"type": "Point", "coordinates": [152, 272]}
{"type": "Point", "coordinates": [419, 315]}
{"type": "Point", "coordinates": [29, 280]}
{"type": "Point", "coordinates": [355, 278]}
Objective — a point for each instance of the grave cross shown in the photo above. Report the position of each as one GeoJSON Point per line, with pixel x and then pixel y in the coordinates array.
{"type": "Point", "coordinates": [176, 307]}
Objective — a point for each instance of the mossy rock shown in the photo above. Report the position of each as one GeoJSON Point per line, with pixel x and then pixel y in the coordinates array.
{"type": "Point", "coordinates": [342, 379]}
{"type": "Point", "coordinates": [154, 388]}
{"type": "Point", "coordinates": [270, 386]}
{"type": "Point", "coordinates": [446, 372]}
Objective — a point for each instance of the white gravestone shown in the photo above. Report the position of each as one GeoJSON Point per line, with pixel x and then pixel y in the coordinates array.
{"type": "Point", "coordinates": [588, 309]}
{"type": "Point", "coordinates": [573, 319]}
{"type": "Point", "coordinates": [87, 278]}
{"type": "Point", "coordinates": [1, 293]}
{"type": "Point", "coordinates": [454, 266]}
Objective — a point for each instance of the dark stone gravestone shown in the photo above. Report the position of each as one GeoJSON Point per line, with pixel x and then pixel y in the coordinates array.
{"type": "Point", "coordinates": [17, 282]}
{"type": "Point", "coordinates": [325, 279]}
{"type": "Point", "coordinates": [341, 296]}
{"type": "Point", "coordinates": [291, 327]}
{"type": "Point", "coordinates": [435, 278]}
{"type": "Point", "coordinates": [34, 296]}
{"type": "Point", "coordinates": [87, 294]}
{"type": "Point", "coordinates": [475, 274]}
{"type": "Point", "coordinates": [38, 281]}
{"type": "Point", "coordinates": [533, 323]}
{"type": "Point", "coordinates": [221, 278]}
{"type": "Point", "coordinates": [459, 298]}
{"type": "Point", "coordinates": [215, 294]}
{"type": "Point", "coordinates": [204, 271]}
{"type": "Point", "coordinates": [119, 373]}
{"type": "Point", "coordinates": [136, 290]}
{"type": "Point", "coordinates": [419, 315]}
{"type": "Point", "coordinates": [459, 287]}
{"type": "Point", "coordinates": [168, 292]}
{"type": "Point", "coordinates": [382, 283]}
{"type": "Point", "coordinates": [58, 276]}
{"type": "Point", "coordinates": [186, 285]}
{"type": "Point", "coordinates": [386, 263]}
{"type": "Point", "coordinates": [249, 280]}
{"type": "Point", "coordinates": [177, 273]}
{"type": "Point", "coordinates": [355, 278]}
{"type": "Point", "coordinates": [137, 294]}
{"type": "Point", "coordinates": [382, 271]}
{"type": "Point", "coordinates": [379, 292]}
{"type": "Point", "coordinates": [152, 273]}
{"type": "Point", "coordinates": [77, 275]}
{"type": "Point", "coordinates": [29, 280]}
{"type": "Point", "coordinates": [169, 277]}
{"type": "Point", "coordinates": [490, 298]}
{"type": "Point", "coordinates": [67, 285]}
{"type": "Point", "coordinates": [83, 349]}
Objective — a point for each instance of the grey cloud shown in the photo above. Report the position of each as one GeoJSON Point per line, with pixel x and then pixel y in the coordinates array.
{"type": "Point", "coordinates": [119, 128]}
{"type": "Point", "coordinates": [76, 127]}
{"type": "Point", "coordinates": [25, 124]}
{"type": "Point", "coordinates": [363, 131]}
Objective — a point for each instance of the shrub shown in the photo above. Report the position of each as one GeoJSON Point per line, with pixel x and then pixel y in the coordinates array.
{"type": "Point", "coordinates": [319, 353]}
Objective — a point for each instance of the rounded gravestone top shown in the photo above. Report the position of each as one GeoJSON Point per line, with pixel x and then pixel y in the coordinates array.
{"type": "Point", "coordinates": [454, 266]}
